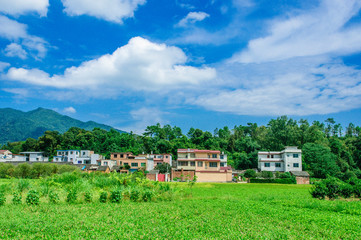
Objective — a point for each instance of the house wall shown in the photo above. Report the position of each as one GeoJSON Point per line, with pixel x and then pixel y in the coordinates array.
{"type": "Point", "coordinates": [186, 175]}
{"type": "Point", "coordinates": [303, 180]}
{"type": "Point", "coordinates": [152, 177]}
{"type": "Point", "coordinates": [214, 176]}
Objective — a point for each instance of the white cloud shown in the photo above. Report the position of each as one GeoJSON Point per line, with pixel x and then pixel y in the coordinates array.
{"type": "Point", "coordinates": [144, 117]}
{"type": "Point", "coordinates": [313, 32]}
{"type": "Point", "coordinates": [109, 10]}
{"type": "Point", "coordinates": [192, 17]}
{"type": "Point", "coordinates": [139, 65]}
{"type": "Point", "coordinates": [17, 33]}
{"type": "Point", "coordinates": [302, 86]}
{"type": "Point", "coordinates": [15, 50]}
{"type": "Point", "coordinates": [70, 110]}
{"type": "Point", "coordinates": [17, 7]}
{"type": "Point", "coordinates": [19, 92]}
{"type": "Point", "coordinates": [3, 65]}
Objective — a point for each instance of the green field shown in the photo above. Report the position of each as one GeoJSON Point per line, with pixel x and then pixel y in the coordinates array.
{"type": "Point", "coordinates": [217, 211]}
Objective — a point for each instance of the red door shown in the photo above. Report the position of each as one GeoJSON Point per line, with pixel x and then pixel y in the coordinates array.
{"type": "Point", "coordinates": [161, 177]}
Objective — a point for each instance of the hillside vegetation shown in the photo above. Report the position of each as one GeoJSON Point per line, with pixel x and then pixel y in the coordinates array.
{"type": "Point", "coordinates": [16, 125]}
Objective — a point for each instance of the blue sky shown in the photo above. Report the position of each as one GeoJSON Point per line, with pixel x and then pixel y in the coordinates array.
{"type": "Point", "coordinates": [202, 64]}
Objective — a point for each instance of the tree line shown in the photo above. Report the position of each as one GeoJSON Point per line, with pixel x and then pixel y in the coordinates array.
{"type": "Point", "coordinates": [328, 148]}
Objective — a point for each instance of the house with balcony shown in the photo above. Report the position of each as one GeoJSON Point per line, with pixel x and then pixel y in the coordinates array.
{"type": "Point", "coordinates": [127, 158]}
{"type": "Point", "coordinates": [160, 158]}
{"type": "Point", "coordinates": [206, 165]}
{"type": "Point", "coordinates": [287, 160]}
{"type": "Point", "coordinates": [77, 156]}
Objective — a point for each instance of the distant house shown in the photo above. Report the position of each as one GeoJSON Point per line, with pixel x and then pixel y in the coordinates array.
{"type": "Point", "coordinates": [5, 155]}
{"type": "Point", "coordinates": [302, 177]}
{"type": "Point", "coordinates": [206, 165]}
{"type": "Point", "coordinates": [32, 157]}
{"type": "Point", "coordinates": [77, 156]}
{"type": "Point", "coordinates": [289, 159]}
{"type": "Point", "coordinates": [107, 162]}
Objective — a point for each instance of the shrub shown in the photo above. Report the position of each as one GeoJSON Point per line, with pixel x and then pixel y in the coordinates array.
{"type": "Point", "coordinates": [346, 190]}
{"type": "Point", "coordinates": [357, 189]}
{"type": "Point", "coordinates": [116, 196]}
{"type": "Point", "coordinates": [333, 186]}
{"type": "Point", "coordinates": [32, 198]}
{"type": "Point", "coordinates": [88, 197]}
{"type": "Point", "coordinates": [250, 173]}
{"type": "Point", "coordinates": [134, 195]}
{"type": "Point", "coordinates": [22, 185]}
{"type": "Point", "coordinates": [53, 197]}
{"type": "Point", "coordinates": [147, 195]}
{"type": "Point", "coordinates": [17, 198]}
{"type": "Point", "coordinates": [22, 170]}
{"type": "Point", "coordinates": [2, 199]}
{"type": "Point", "coordinates": [266, 174]}
{"type": "Point", "coordinates": [285, 175]}
{"type": "Point", "coordinates": [319, 190]}
{"type": "Point", "coordinates": [277, 180]}
{"type": "Point", "coordinates": [103, 197]}
{"type": "Point", "coordinates": [72, 196]}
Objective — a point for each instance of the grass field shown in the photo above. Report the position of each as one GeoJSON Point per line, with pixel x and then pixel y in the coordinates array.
{"type": "Point", "coordinates": [218, 211]}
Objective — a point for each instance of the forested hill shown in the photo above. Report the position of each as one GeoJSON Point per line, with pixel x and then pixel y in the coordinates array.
{"type": "Point", "coordinates": [16, 125]}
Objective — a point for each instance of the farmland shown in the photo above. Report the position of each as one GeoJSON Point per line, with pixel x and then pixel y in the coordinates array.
{"type": "Point", "coordinates": [221, 211]}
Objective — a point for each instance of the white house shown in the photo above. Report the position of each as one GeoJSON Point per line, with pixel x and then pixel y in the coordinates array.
{"type": "Point", "coordinates": [223, 158]}
{"type": "Point", "coordinates": [5, 155]}
{"type": "Point", "coordinates": [33, 157]}
{"type": "Point", "coordinates": [77, 156]}
{"type": "Point", "coordinates": [107, 162]}
{"type": "Point", "coordinates": [289, 159]}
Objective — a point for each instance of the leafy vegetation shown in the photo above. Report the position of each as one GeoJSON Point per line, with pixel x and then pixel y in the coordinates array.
{"type": "Point", "coordinates": [215, 211]}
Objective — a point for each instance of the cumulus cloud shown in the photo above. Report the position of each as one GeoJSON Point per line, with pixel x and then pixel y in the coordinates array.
{"type": "Point", "coordinates": [318, 31]}
{"type": "Point", "coordinates": [3, 65]}
{"type": "Point", "coordinates": [18, 7]}
{"type": "Point", "coordinates": [17, 33]}
{"type": "Point", "coordinates": [139, 65]}
{"type": "Point", "coordinates": [143, 117]}
{"type": "Point", "coordinates": [15, 50]}
{"type": "Point", "coordinates": [109, 10]}
{"type": "Point", "coordinates": [192, 17]}
{"type": "Point", "coordinates": [70, 110]}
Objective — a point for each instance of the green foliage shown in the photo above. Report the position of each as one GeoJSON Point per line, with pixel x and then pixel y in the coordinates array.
{"type": "Point", "coordinates": [72, 196]}
{"type": "Point", "coordinates": [274, 180]}
{"type": "Point", "coordinates": [88, 197]}
{"type": "Point", "coordinates": [333, 188]}
{"type": "Point", "coordinates": [163, 168]}
{"type": "Point", "coordinates": [103, 197]}
{"type": "Point", "coordinates": [250, 173]}
{"type": "Point", "coordinates": [266, 174]}
{"type": "Point", "coordinates": [134, 194]}
{"type": "Point", "coordinates": [116, 196]}
{"type": "Point", "coordinates": [32, 198]}
{"type": "Point", "coordinates": [22, 185]}
{"type": "Point", "coordinates": [16, 198]}
{"type": "Point", "coordinates": [2, 199]}
{"type": "Point", "coordinates": [54, 197]}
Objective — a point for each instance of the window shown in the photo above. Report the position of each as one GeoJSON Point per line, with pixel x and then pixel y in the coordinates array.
{"type": "Point", "coordinates": [214, 155]}
{"type": "Point", "coordinates": [121, 155]}
{"type": "Point", "coordinates": [115, 155]}
{"type": "Point", "coordinates": [71, 152]}
{"type": "Point", "coordinates": [193, 164]}
{"type": "Point", "coordinates": [182, 163]}
{"type": "Point", "coordinates": [267, 156]}
{"type": "Point", "coordinates": [134, 164]}
{"type": "Point", "coordinates": [193, 155]}
{"type": "Point", "coordinates": [295, 155]}
{"type": "Point", "coordinates": [142, 164]}
{"type": "Point", "coordinates": [166, 156]}
{"type": "Point", "coordinates": [83, 153]}
{"type": "Point", "coordinates": [278, 164]}
{"type": "Point", "coordinates": [221, 156]}
{"type": "Point", "coordinates": [200, 164]}
{"type": "Point", "coordinates": [222, 164]}
{"type": "Point", "coordinates": [159, 156]}
{"type": "Point", "coordinates": [79, 162]}
{"type": "Point", "coordinates": [126, 163]}
{"type": "Point", "coordinates": [296, 165]}
{"type": "Point", "coordinates": [159, 163]}
{"type": "Point", "coordinates": [271, 156]}
{"type": "Point", "coordinates": [71, 159]}
{"type": "Point", "coordinates": [37, 159]}
{"type": "Point", "coordinates": [105, 163]}
{"type": "Point", "coordinates": [267, 164]}
{"type": "Point", "coordinates": [212, 164]}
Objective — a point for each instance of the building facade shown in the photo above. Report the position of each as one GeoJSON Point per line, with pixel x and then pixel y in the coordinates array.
{"type": "Point", "coordinates": [289, 159]}
{"type": "Point", "coordinates": [77, 156]}
{"type": "Point", "coordinates": [33, 157]}
{"type": "Point", "coordinates": [5, 155]}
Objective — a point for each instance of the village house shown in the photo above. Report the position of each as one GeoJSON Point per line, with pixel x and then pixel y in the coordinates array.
{"type": "Point", "coordinates": [5, 155]}
{"type": "Point", "coordinates": [127, 158]}
{"type": "Point", "coordinates": [77, 156]}
{"type": "Point", "coordinates": [206, 165]}
{"type": "Point", "coordinates": [31, 157]}
{"type": "Point", "coordinates": [289, 159]}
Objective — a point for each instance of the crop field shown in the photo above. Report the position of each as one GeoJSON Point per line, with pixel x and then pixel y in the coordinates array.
{"type": "Point", "coordinates": [208, 210]}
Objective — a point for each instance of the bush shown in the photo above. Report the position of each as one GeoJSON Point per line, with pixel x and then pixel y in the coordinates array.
{"type": "Point", "coordinates": [32, 198]}
{"type": "Point", "coordinates": [357, 189]}
{"type": "Point", "coordinates": [16, 198]}
{"type": "Point", "coordinates": [116, 196]}
{"type": "Point", "coordinates": [346, 190]}
{"type": "Point", "coordinates": [53, 197]}
{"type": "Point", "coordinates": [22, 185]}
{"type": "Point", "coordinates": [250, 173]}
{"type": "Point", "coordinates": [266, 174]}
{"type": "Point", "coordinates": [147, 195]}
{"type": "Point", "coordinates": [103, 197]}
{"type": "Point", "coordinates": [72, 196]}
{"type": "Point", "coordinates": [271, 180]}
{"type": "Point", "coordinates": [134, 195]}
{"type": "Point", "coordinates": [330, 187]}
{"type": "Point", "coordinates": [2, 199]}
{"type": "Point", "coordinates": [319, 190]}
{"type": "Point", "coordinates": [285, 175]}
{"type": "Point", "coordinates": [88, 197]}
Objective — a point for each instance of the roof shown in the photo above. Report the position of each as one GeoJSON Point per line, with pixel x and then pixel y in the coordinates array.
{"type": "Point", "coordinates": [197, 151]}
{"type": "Point", "coordinates": [226, 168]}
{"type": "Point", "coordinates": [3, 151]}
{"type": "Point", "coordinates": [30, 152]}
{"type": "Point", "coordinates": [300, 173]}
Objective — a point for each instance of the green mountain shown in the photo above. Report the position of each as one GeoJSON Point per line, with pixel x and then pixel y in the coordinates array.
{"type": "Point", "coordinates": [16, 125]}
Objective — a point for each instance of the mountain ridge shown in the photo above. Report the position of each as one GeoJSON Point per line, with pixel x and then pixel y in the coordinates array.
{"type": "Point", "coordinates": [16, 125]}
